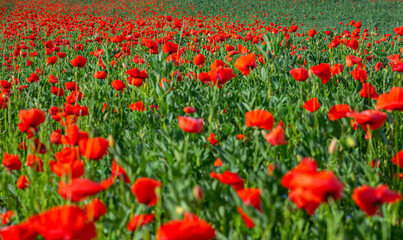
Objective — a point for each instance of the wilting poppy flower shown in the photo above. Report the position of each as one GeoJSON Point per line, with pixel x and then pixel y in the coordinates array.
{"type": "Point", "coordinates": [368, 91]}
{"type": "Point", "coordinates": [79, 189]}
{"type": "Point", "coordinates": [322, 71]}
{"type": "Point", "coordinates": [138, 106]}
{"type": "Point", "coordinates": [309, 188]}
{"type": "Point", "coordinates": [118, 171]}
{"type": "Point", "coordinates": [246, 219]}
{"type": "Point", "coordinates": [95, 209]}
{"type": "Point", "coordinates": [118, 85]}
{"type": "Point", "coordinates": [312, 105]}
{"type": "Point", "coordinates": [229, 178]}
{"type": "Point", "coordinates": [351, 60]}
{"type": "Point", "coordinates": [94, 148]}
{"type": "Point", "coordinates": [398, 159]}
{"type": "Point", "coordinates": [199, 60]}
{"type": "Point", "coordinates": [259, 118]}
{"type": "Point", "coordinates": [100, 75]}
{"type": "Point", "coordinates": [190, 125]}
{"type": "Point", "coordinates": [299, 74]}
{"type": "Point", "coordinates": [138, 221]}
{"type": "Point", "coordinates": [191, 227]}
{"type": "Point", "coordinates": [369, 199]}
{"type": "Point", "coordinates": [277, 136]}
{"type": "Point", "coordinates": [371, 118]}
{"type": "Point", "coordinates": [22, 182]}
{"type": "Point", "coordinates": [338, 111]}
{"type": "Point", "coordinates": [246, 63]}
{"type": "Point", "coordinates": [393, 100]}
{"type": "Point", "coordinates": [144, 190]}
{"type": "Point", "coordinates": [212, 139]}
{"type": "Point", "coordinates": [336, 69]}
{"type": "Point", "coordinates": [11, 162]}
{"type": "Point", "coordinates": [189, 110]}
{"type": "Point", "coordinates": [79, 62]}
{"type": "Point", "coordinates": [251, 196]}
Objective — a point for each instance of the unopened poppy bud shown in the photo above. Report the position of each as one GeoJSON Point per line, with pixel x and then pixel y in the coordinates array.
{"type": "Point", "coordinates": [198, 192]}
{"type": "Point", "coordinates": [124, 66]}
{"type": "Point", "coordinates": [179, 210]}
{"type": "Point", "coordinates": [350, 142]}
{"type": "Point", "coordinates": [332, 146]}
{"type": "Point", "coordinates": [111, 141]}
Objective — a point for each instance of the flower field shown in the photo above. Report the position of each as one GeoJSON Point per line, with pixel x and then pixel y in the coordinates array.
{"type": "Point", "coordinates": [197, 120]}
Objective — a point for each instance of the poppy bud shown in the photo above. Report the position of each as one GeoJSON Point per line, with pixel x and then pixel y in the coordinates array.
{"type": "Point", "coordinates": [179, 210]}
{"type": "Point", "coordinates": [111, 141]}
{"type": "Point", "coordinates": [198, 192]}
{"type": "Point", "coordinates": [332, 146]}
{"type": "Point", "coordinates": [350, 141]}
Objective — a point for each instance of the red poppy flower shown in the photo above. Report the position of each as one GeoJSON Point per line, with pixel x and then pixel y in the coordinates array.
{"type": "Point", "coordinates": [218, 163]}
{"type": "Point", "coordinates": [170, 47]}
{"type": "Point", "coordinates": [33, 78]}
{"type": "Point", "coordinates": [312, 105]}
{"type": "Point", "coordinates": [371, 118]}
{"type": "Point", "coordinates": [299, 74]}
{"type": "Point", "coordinates": [277, 136]}
{"type": "Point", "coordinates": [138, 221]}
{"type": "Point", "coordinates": [309, 188]}
{"type": "Point", "coordinates": [393, 100]}
{"type": "Point", "coordinates": [144, 190]}
{"type": "Point", "coordinates": [35, 162]}
{"type": "Point", "coordinates": [369, 199]}
{"type": "Point", "coordinates": [219, 76]}
{"type": "Point", "coordinates": [95, 209]}
{"type": "Point", "coordinates": [199, 60]}
{"type": "Point", "coordinates": [51, 60]}
{"type": "Point", "coordinates": [246, 219]}
{"type": "Point", "coordinates": [5, 217]}
{"type": "Point", "coordinates": [212, 139]}
{"type": "Point", "coordinates": [30, 119]}
{"type": "Point", "coordinates": [100, 75]}
{"type": "Point", "coordinates": [118, 85]}
{"type": "Point", "coordinates": [368, 91]}
{"type": "Point", "coordinates": [79, 62]}
{"type": "Point", "coordinates": [251, 196]}
{"type": "Point", "coordinates": [189, 110]}
{"type": "Point", "coordinates": [229, 178]}
{"type": "Point", "coordinates": [322, 71]}
{"type": "Point", "coordinates": [135, 73]}
{"type": "Point", "coordinates": [57, 91]}
{"type": "Point", "coordinates": [246, 63]}
{"type": "Point", "coordinates": [11, 162]}
{"type": "Point", "coordinates": [378, 66]}
{"type": "Point", "coordinates": [397, 67]}
{"type": "Point", "coordinates": [259, 118]}
{"type": "Point", "coordinates": [360, 74]}
{"type": "Point", "coordinates": [138, 106]}
{"type": "Point", "coordinates": [311, 32]}
{"type": "Point", "coordinates": [336, 69]}
{"type": "Point", "coordinates": [398, 159]}
{"type": "Point", "coordinates": [94, 148]}
{"type": "Point", "coordinates": [191, 227]}
{"type": "Point", "coordinates": [351, 60]}
{"type": "Point", "coordinates": [398, 30]}
{"type": "Point", "coordinates": [22, 182]}
{"type": "Point", "coordinates": [338, 111]}
{"type": "Point", "coordinates": [118, 171]}
{"type": "Point", "coordinates": [190, 125]}
{"type": "Point", "coordinates": [73, 169]}
{"type": "Point", "coordinates": [79, 189]}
